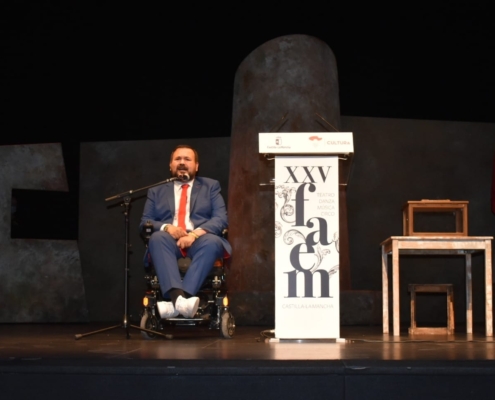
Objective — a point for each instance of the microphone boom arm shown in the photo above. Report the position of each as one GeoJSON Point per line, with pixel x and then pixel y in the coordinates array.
{"type": "Point", "coordinates": [129, 192]}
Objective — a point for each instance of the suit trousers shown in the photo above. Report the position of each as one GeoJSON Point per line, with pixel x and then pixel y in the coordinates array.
{"type": "Point", "coordinates": [165, 253]}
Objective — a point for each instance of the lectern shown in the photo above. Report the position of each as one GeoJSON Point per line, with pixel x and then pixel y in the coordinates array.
{"type": "Point", "coordinates": [306, 183]}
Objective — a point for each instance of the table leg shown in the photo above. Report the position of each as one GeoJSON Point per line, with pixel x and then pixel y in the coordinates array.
{"type": "Point", "coordinates": [488, 288]}
{"type": "Point", "coordinates": [385, 321]}
{"type": "Point", "coordinates": [469, 295]}
{"type": "Point", "coordinates": [395, 287]}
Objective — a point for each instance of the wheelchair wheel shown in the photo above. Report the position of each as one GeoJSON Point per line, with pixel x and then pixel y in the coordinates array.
{"type": "Point", "coordinates": [227, 325]}
{"type": "Point", "coordinates": [148, 321]}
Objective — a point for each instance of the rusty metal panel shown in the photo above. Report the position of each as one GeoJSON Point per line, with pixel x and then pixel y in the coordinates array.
{"type": "Point", "coordinates": [40, 280]}
{"type": "Point", "coordinates": [294, 77]}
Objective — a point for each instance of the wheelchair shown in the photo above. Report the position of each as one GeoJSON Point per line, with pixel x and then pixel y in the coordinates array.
{"type": "Point", "coordinates": [213, 307]}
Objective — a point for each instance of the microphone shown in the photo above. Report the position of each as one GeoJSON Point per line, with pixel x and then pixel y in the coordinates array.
{"type": "Point", "coordinates": [184, 177]}
{"type": "Point", "coordinates": [174, 178]}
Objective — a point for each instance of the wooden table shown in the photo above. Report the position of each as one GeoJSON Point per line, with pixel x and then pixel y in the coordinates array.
{"type": "Point", "coordinates": [419, 245]}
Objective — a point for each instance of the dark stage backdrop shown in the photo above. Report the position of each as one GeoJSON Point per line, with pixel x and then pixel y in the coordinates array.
{"type": "Point", "coordinates": [111, 168]}
{"type": "Point", "coordinates": [395, 161]}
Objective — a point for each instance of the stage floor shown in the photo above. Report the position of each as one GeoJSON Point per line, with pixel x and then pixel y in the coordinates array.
{"type": "Point", "coordinates": [46, 362]}
{"type": "Point", "coordinates": [57, 342]}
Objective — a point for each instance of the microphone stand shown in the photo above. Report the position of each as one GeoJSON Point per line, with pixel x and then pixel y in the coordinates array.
{"type": "Point", "coordinates": [127, 206]}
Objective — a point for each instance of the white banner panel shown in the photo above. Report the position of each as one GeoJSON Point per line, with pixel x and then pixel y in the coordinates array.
{"type": "Point", "coordinates": [306, 143]}
{"type": "Point", "coordinates": [307, 247]}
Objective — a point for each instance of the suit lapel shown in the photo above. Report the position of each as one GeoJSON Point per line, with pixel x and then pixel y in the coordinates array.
{"type": "Point", "coordinates": [170, 196]}
{"type": "Point", "coordinates": [194, 194]}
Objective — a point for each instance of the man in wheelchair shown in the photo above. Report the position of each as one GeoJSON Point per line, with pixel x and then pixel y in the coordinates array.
{"type": "Point", "coordinates": [188, 218]}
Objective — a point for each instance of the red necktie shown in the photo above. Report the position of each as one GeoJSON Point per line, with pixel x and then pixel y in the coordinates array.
{"type": "Point", "coordinates": [182, 212]}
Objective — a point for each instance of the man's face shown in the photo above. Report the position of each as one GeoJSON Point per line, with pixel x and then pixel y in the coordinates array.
{"type": "Point", "coordinates": [183, 162]}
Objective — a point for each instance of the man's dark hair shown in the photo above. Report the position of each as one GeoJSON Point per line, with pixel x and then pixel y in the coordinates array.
{"type": "Point", "coordinates": [185, 146]}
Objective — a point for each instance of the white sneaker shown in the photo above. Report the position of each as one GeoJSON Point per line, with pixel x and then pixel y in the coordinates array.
{"type": "Point", "coordinates": [167, 309]}
{"type": "Point", "coordinates": [187, 307]}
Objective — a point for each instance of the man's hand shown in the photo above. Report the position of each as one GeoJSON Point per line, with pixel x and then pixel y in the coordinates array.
{"type": "Point", "coordinates": [176, 232]}
{"type": "Point", "coordinates": [186, 241]}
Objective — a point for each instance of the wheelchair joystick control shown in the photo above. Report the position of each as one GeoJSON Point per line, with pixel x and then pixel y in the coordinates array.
{"type": "Point", "coordinates": [216, 282]}
{"type": "Point", "coordinates": [148, 230]}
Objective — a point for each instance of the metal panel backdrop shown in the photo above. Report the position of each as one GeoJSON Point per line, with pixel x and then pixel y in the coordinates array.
{"type": "Point", "coordinates": [40, 280]}
{"type": "Point", "coordinates": [396, 160]}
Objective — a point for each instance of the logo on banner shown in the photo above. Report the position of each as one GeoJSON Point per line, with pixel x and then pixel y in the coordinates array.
{"type": "Point", "coordinates": [315, 140]}
{"type": "Point", "coordinates": [307, 234]}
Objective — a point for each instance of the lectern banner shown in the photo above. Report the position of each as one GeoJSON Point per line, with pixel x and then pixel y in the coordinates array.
{"type": "Point", "coordinates": [307, 247]}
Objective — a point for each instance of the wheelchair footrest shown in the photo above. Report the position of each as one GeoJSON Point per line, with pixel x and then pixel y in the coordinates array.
{"type": "Point", "coordinates": [178, 319]}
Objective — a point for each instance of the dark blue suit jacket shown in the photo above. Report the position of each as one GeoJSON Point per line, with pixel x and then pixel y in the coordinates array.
{"type": "Point", "coordinates": [207, 207]}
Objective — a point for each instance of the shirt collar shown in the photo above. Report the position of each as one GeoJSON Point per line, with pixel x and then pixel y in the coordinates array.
{"type": "Point", "coordinates": [178, 183]}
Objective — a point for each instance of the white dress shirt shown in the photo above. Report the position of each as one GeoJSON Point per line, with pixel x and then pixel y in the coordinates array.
{"type": "Point", "coordinates": [177, 192]}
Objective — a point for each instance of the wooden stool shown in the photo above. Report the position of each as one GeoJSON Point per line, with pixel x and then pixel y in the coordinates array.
{"type": "Point", "coordinates": [432, 288]}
